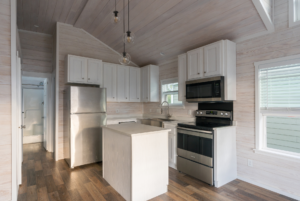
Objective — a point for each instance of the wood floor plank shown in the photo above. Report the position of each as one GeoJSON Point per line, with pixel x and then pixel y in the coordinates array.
{"type": "Point", "coordinates": [40, 179]}
{"type": "Point", "coordinates": [100, 186]}
{"type": "Point", "coordinates": [63, 193]}
{"type": "Point", "coordinates": [22, 197]}
{"type": "Point", "coordinates": [74, 195]}
{"type": "Point", "coordinates": [84, 193]}
{"type": "Point", "coordinates": [54, 196]}
{"type": "Point", "coordinates": [42, 194]}
{"type": "Point", "coordinates": [31, 178]}
{"type": "Point", "coordinates": [38, 165]}
{"type": "Point", "coordinates": [180, 193]}
{"type": "Point", "coordinates": [57, 177]}
{"type": "Point", "coordinates": [94, 192]}
{"type": "Point", "coordinates": [31, 193]}
{"type": "Point", "coordinates": [51, 187]}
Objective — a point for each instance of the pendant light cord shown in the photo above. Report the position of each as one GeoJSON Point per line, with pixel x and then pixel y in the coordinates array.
{"type": "Point", "coordinates": [124, 21]}
{"type": "Point", "coordinates": [115, 5]}
{"type": "Point", "coordinates": [128, 15]}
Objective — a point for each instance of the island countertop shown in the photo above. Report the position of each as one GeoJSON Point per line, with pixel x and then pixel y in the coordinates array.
{"type": "Point", "coordinates": [134, 129]}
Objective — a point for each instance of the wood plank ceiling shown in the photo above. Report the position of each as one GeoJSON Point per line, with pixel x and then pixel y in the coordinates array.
{"type": "Point", "coordinates": [168, 26]}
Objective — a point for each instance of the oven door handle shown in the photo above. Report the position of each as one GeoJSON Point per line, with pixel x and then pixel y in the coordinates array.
{"type": "Point", "coordinates": [194, 130]}
{"type": "Point", "coordinates": [197, 134]}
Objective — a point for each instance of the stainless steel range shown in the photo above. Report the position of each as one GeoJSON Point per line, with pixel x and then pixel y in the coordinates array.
{"type": "Point", "coordinates": [195, 143]}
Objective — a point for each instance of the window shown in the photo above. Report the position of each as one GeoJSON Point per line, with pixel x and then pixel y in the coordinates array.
{"type": "Point", "coordinates": [278, 106]}
{"type": "Point", "coordinates": [169, 92]}
{"type": "Point", "coordinates": [294, 12]}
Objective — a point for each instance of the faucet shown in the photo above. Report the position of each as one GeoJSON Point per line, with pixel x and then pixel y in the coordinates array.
{"type": "Point", "coordinates": [168, 116]}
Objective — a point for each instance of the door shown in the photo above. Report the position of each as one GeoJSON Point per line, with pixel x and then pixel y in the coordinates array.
{"type": "Point", "coordinates": [77, 69]}
{"type": "Point", "coordinates": [212, 59]}
{"type": "Point", "coordinates": [145, 83]}
{"type": "Point", "coordinates": [45, 113]}
{"type": "Point", "coordinates": [135, 84]}
{"type": "Point", "coordinates": [181, 76]}
{"type": "Point", "coordinates": [86, 138]}
{"type": "Point", "coordinates": [87, 100]}
{"type": "Point", "coordinates": [110, 81]}
{"type": "Point", "coordinates": [122, 83]}
{"type": "Point", "coordinates": [195, 64]}
{"type": "Point", "coordinates": [94, 71]}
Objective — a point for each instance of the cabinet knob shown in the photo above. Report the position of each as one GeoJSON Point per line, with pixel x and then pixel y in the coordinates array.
{"type": "Point", "coordinates": [89, 78]}
{"type": "Point", "coordinates": [113, 97]}
{"type": "Point", "coordinates": [83, 78]}
{"type": "Point", "coordinates": [198, 73]}
{"type": "Point", "coordinates": [204, 71]}
{"type": "Point", "coordinates": [126, 97]}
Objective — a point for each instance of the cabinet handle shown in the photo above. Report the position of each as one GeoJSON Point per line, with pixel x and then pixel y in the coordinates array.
{"type": "Point", "coordinates": [89, 78]}
{"type": "Point", "coordinates": [198, 73]}
{"type": "Point", "coordinates": [204, 71]}
{"type": "Point", "coordinates": [126, 97]}
{"type": "Point", "coordinates": [83, 78]}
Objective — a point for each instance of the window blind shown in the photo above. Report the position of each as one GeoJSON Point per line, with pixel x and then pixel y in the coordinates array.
{"type": "Point", "coordinates": [280, 88]}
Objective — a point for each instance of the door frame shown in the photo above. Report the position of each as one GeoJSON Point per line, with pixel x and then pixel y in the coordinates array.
{"type": "Point", "coordinates": [50, 108]}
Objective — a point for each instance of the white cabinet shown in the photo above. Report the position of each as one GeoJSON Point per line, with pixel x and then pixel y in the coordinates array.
{"type": "Point", "coordinates": [150, 83]}
{"type": "Point", "coordinates": [76, 69]}
{"type": "Point", "coordinates": [172, 145]}
{"type": "Point", "coordinates": [94, 71]}
{"type": "Point", "coordinates": [122, 83]}
{"type": "Point", "coordinates": [110, 81]}
{"type": "Point", "coordinates": [83, 70]}
{"type": "Point", "coordinates": [134, 84]}
{"type": "Point", "coordinates": [212, 59]}
{"type": "Point", "coordinates": [195, 64]}
{"type": "Point", "coordinates": [181, 76]}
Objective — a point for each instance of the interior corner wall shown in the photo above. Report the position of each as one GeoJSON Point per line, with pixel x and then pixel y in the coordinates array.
{"type": "Point", "coordinates": [37, 52]}
{"type": "Point", "coordinates": [277, 174]}
{"type": "Point", "coordinates": [5, 102]}
{"type": "Point", "coordinates": [77, 42]}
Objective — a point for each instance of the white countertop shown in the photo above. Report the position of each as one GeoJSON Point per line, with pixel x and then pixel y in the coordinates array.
{"type": "Point", "coordinates": [134, 129]}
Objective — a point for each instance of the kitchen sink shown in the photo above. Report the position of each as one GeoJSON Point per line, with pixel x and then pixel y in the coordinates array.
{"type": "Point", "coordinates": [159, 122]}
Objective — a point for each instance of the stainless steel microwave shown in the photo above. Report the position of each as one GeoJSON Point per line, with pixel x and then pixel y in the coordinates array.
{"type": "Point", "coordinates": [207, 89]}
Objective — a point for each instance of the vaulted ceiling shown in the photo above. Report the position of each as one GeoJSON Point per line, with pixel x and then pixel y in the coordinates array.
{"type": "Point", "coordinates": [168, 26]}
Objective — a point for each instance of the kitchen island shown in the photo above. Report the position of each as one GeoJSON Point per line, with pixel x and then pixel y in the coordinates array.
{"type": "Point", "coordinates": [135, 160]}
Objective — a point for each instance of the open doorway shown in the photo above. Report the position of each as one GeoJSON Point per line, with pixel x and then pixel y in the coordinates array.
{"type": "Point", "coordinates": [33, 109]}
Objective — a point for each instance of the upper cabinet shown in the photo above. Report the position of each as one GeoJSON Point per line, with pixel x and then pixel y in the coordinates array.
{"type": "Point", "coordinates": [134, 84]}
{"type": "Point", "coordinates": [150, 83]}
{"type": "Point", "coordinates": [110, 81]}
{"type": "Point", "coordinates": [123, 83]}
{"type": "Point", "coordinates": [216, 59]}
{"type": "Point", "coordinates": [195, 63]}
{"type": "Point", "coordinates": [83, 70]}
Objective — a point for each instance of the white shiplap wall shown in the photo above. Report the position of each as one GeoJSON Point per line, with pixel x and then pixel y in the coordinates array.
{"type": "Point", "coordinates": [277, 174]}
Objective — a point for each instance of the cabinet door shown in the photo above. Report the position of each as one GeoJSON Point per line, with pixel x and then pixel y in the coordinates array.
{"type": "Point", "coordinates": [212, 59]}
{"type": "Point", "coordinates": [181, 76]}
{"type": "Point", "coordinates": [110, 81]}
{"type": "Point", "coordinates": [94, 71]}
{"type": "Point", "coordinates": [122, 83]}
{"type": "Point", "coordinates": [135, 84]}
{"type": "Point", "coordinates": [145, 83]}
{"type": "Point", "coordinates": [195, 64]}
{"type": "Point", "coordinates": [77, 69]}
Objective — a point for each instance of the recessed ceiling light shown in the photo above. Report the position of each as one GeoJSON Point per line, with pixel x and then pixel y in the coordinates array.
{"type": "Point", "coordinates": [162, 54]}
{"type": "Point", "coordinates": [36, 26]}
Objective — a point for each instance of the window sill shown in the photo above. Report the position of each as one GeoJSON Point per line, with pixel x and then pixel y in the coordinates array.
{"type": "Point", "coordinates": [279, 155]}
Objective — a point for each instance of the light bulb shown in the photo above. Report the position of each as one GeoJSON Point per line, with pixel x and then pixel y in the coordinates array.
{"type": "Point", "coordinates": [129, 38]}
{"type": "Point", "coordinates": [115, 18]}
{"type": "Point", "coordinates": [125, 59]}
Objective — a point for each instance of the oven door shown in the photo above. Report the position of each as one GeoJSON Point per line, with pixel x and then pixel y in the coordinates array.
{"type": "Point", "coordinates": [209, 89]}
{"type": "Point", "coordinates": [195, 145]}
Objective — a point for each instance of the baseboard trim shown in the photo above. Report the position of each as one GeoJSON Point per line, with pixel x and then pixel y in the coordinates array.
{"type": "Point", "coordinates": [269, 188]}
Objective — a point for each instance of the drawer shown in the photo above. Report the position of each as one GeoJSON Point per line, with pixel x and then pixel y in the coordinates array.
{"type": "Point", "coordinates": [195, 157]}
{"type": "Point", "coordinates": [196, 170]}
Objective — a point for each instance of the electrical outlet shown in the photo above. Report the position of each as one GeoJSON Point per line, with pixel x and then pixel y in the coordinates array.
{"type": "Point", "coordinates": [117, 111]}
{"type": "Point", "coordinates": [250, 163]}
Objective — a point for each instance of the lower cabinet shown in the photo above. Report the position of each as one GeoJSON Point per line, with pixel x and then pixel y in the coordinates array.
{"type": "Point", "coordinates": [172, 146]}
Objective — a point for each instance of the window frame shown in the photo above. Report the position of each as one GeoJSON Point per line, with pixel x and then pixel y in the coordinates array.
{"type": "Point", "coordinates": [260, 117]}
{"type": "Point", "coordinates": [162, 94]}
{"type": "Point", "coordinates": [292, 21]}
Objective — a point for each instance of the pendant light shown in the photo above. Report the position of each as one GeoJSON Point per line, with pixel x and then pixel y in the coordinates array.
{"type": "Point", "coordinates": [129, 36]}
{"type": "Point", "coordinates": [125, 59]}
{"type": "Point", "coordinates": [115, 18]}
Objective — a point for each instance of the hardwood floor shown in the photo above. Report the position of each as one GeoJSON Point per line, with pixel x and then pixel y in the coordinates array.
{"type": "Point", "coordinates": [48, 180]}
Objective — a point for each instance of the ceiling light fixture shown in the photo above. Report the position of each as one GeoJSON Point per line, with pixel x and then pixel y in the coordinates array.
{"type": "Point", "coordinates": [125, 59]}
{"type": "Point", "coordinates": [115, 17]}
{"type": "Point", "coordinates": [129, 36]}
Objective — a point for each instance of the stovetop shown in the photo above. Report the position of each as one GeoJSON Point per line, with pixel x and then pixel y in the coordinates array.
{"type": "Point", "coordinates": [201, 126]}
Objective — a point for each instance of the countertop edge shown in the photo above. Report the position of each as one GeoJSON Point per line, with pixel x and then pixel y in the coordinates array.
{"type": "Point", "coordinates": [137, 134]}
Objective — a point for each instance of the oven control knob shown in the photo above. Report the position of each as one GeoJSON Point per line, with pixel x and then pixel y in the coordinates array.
{"type": "Point", "coordinates": [226, 114]}
{"type": "Point", "coordinates": [197, 112]}
{"type": "Point", "coordinates": [222, 113]}
{"type": "Point", "coordinates": [200, 112]}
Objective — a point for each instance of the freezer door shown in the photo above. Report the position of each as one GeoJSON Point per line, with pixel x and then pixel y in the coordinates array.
{"type": "Point", "coordinates": [86, 138]}
{"type": "Point", "coordinates": [87, 99]}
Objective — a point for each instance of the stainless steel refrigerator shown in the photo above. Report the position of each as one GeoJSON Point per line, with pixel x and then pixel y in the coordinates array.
{"type": "Point", "coordinates": [86, 113]}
